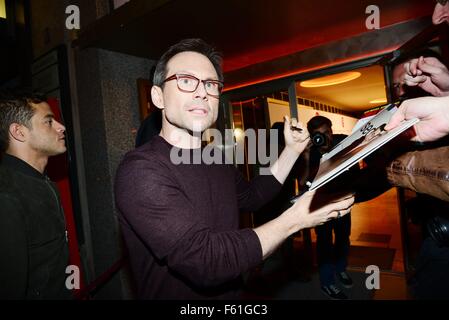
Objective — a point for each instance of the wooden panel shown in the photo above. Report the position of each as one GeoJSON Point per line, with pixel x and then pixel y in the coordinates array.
{"type": "Point", "coordinates": [144, 93]}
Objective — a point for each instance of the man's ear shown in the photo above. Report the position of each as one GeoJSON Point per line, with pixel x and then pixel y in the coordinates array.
{"type": "Point", "coordinates": [157, 97]}
{"type": "Point", "coordinates": [17, 132]}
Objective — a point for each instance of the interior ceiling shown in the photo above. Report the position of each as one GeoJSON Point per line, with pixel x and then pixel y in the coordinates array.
{"type": "Point", "coordinates": [354, 95]}
{"type": "Point", "coordinates": [247, 32]}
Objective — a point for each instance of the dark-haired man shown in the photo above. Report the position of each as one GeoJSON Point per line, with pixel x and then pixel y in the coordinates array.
{"type": "Point", "coordinates": [180, 221]}
{"type": "Point", "coordinates": [33, 239]}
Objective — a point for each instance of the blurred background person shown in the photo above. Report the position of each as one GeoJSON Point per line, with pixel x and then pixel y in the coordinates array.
{"type": "Point", "coordinates": [332, 256]}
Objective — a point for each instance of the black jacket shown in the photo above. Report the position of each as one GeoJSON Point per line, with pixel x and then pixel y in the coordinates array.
{"type": "Point", "coordinates": [33, 243]}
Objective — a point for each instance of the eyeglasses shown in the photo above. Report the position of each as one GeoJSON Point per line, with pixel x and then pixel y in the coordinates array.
{"type": "Point", "coordinates": [189, 83]}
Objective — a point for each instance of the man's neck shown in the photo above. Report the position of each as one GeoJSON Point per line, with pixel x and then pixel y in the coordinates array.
{"type": "Point", "coordinates": [181, 138]}
{"type": "Point", "coordinates": [37, 162]}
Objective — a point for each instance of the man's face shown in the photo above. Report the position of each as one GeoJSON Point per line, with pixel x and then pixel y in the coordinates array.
{"type": "Point", "coordinates": [327, 132]}
{"type": "Point", "coordinates": [46, 136]}
{"type": "Point", "coordinates": [194, 111]}
{"type": "Point", "coordinates": [441, 12]}
{"type": "Point", "coordinates": [398, 82]}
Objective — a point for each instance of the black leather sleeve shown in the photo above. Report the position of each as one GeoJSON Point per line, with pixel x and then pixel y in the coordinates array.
{"type": "Point", "coordinates": [13, 249]}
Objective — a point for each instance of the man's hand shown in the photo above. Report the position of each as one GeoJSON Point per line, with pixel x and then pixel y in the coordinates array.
{"type": "Point", "coordinates": [433, 113]}
{"type": "Point", "coordinates": [296, 135]}
{"type": "Point", "coordinates": [429, 74]}
{"type": "Point", "coordinates": [296, 138]}
{"type": "Point", "coordinates": [311, 211]}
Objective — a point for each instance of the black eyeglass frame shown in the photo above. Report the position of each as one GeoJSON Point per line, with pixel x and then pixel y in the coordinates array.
{"type": "Point", "coordinates": [198, 81]}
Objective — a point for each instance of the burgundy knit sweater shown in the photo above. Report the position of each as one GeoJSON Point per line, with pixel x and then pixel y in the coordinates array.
{"type": "Point", "coordinates": [181, 223]}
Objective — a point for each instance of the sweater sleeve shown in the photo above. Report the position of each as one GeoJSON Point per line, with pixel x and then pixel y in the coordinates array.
{"type": "Point", "coordinates": [13, 249]}
{"type": "Point", "coordinates": [253, 195]}
{"type": "Point", "coordinates": [162, 216]}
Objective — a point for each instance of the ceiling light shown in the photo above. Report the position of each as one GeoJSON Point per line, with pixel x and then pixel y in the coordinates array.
{"type": "Point", "coordinates": [330, 80]}
{"type": "Point", "coordinates": [2, 9]}
{"type": "Point", "coordinates": [376, 101]}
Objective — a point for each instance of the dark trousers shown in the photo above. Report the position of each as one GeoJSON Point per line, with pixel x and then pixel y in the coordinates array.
{"type": "Point", "coordinates": [332, 255]}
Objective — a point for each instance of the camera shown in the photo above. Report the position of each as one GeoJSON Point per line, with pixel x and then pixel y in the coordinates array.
{"type": "Point", "coordinates": [438, 228]}
{"type": "Point", "coordinates": [319, 139]}
{"type": "Point", "coordinates": [433, 214]}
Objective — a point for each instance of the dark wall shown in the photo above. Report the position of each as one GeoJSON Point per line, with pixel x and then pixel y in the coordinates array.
{"type": "Point", "coordinates": [108, 115]}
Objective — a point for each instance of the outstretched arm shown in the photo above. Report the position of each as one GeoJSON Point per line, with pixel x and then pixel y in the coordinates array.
{"type": "Point", "coordinates": [433, 113]}
{"type": "Point", "coordinates": [305, 213]}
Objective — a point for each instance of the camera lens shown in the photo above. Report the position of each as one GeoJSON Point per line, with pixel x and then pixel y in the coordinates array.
{"type": "Point", "coordinates": [438, 228]}
{"type": "Point", "coordinates": [318, 139]}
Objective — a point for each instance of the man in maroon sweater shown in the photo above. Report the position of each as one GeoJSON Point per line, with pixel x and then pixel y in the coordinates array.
{"type": "Point", "coordinates": [180, 221]}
